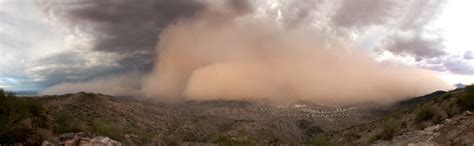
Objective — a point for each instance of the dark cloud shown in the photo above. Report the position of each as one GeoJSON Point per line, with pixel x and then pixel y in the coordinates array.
{"type": "Point", "coordinates": [127, 27]}
{"type": "Point", "coordinates": [353, 13]}
{"type": "Point", "coordinates": [240, 6]}
{"type": "Point", "coordinates": [416, 45]}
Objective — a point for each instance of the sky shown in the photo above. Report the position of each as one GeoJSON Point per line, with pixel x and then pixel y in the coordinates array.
{"type": "Point", "coordinates": [45, 43]}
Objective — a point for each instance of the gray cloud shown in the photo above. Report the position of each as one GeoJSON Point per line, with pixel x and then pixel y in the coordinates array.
{"type": "Point", "coordinates": [406, 21]}
{"type": "Point", "coordinates": [453, 63]}
{"type": "Point", "coordinates": [416, 45]}
{"type": "Point", "coordinates": [132, 28]}
{"type": "Point", "coordinates": [299, 12]}
{"type": "Point", "coordinates": [420, 13]}
{"type": "Point", "coordinates": [353, 13]}
{"type": "Point", "coordinates": [413, 37]}
{"type": "Point", "coordinates": [468, 55]}
{"type": "Point", "coordinates": [459, 67]}
{"type": "Point", "coordinates": [126, 27]}
{"type": "Point", "coordinates": [72, 66]}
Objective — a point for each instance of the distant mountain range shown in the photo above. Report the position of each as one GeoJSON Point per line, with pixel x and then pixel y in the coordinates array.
{"type": "Point", "coordinates": [459, 85]}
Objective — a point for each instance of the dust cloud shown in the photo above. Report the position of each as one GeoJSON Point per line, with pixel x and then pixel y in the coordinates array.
{"type": "Point", "coordinates": [220, 55]}
{"type": "Point", "coordinates": [227, 52]}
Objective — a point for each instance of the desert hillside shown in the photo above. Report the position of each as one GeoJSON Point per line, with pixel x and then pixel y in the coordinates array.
{"type": "Point", "coordinates": [138, 122]}
{"type": "Point", "coordinates": [440, 117]}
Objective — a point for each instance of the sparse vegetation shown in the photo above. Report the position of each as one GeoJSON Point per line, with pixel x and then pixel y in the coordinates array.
{"type": "Point", "coordinates": [65, 123]}
{"type": "Point", "coordinates": [19, 117]}
{"type": "Point", "coordinates": [390, 128]}
{"type": "Point", "coordinates": [426, 112]}
{"type": "Point", "coordinates": [172, 139]}
{"type": "Point", "coordinates": [321, 140]}
{"type": "Point", "coordinates": [235, 141]}
{"type": "Point", "coordinates": [466, 99]}
{"type": "Point", "coordinates": [96, 115]}
{"type": "Point", "coordinates": [437, 119]}
{"type": "Point", "coordinates": [107, 128]}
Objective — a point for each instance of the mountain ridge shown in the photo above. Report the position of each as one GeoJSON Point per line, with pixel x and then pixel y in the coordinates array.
{"type": "Point", "coordinates": [133, 121]}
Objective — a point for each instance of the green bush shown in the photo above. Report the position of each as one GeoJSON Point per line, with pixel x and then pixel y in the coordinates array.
{"type": "Point", "coordinates": [145, 137]}
{"type": "Point", "coordinates": [108, 129]}
{"type": "Point", "coordinates": [65, 123]}
{"type": "Point", "coordinates": [235, 141]}
{"type": "Point", "coordinates": [466, 99]}
{"type": "Point", "coordinates": [321, 140]}
{"type": "Point", "coordinates": [390, 128]}
{"type": "Point", "coordinates": [14, 112]}
{"type": "Point", "coordinates": [425, 113]}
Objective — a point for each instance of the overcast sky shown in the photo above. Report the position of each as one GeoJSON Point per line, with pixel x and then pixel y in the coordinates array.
{"type": "Point", "coordinates": [46, 43]}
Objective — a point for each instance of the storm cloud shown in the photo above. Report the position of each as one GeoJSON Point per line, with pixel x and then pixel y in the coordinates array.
{"type": "Point", "coordinates": [126, 27]}
{"type": "Point", "coordinates": [126, 35]}
{"type": "Point", "coordinates": [131, 28]}
{"type": "Point", "coordinates": [229, 51]}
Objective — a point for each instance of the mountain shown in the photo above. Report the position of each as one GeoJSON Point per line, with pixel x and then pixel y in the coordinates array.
{"type": "Point", "coordinates": [87, 116]}
{"type": "Point", "coordinates": [459, 85]}
{"type": "Point", "coordinates": [137, 122]}
{"type": "Point", "coordinates": [440, 118]}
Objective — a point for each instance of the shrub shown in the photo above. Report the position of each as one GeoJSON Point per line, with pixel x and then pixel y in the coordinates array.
{"type": "Point", "coordinates": [425, 113]}
{"type": "Point", "coordinates": [65, 123]}
{"type": "Point", "coordinates": [437, 119]}
{"type": "Point", "coordinates": [235, 141]}
{"type": "Point", "coordinates": [145, 137]}
{"type": "Point", "coordinates": [466, 99]}
{"type": "Point", "coordinates": [13, 112]}
{"type": "Point", "coordinates": [2, 93]}
{"type": "Point", "coordinates": [108, 129]}
{"type": "Point", "coordinates": [390, 128]}
{"type": "Point", "coordinates": [172, 139]}
{"type": "Point", "coordinates": [321, 140]}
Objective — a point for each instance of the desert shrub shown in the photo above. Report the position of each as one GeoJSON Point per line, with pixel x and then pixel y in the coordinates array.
{"type": "Point", "coordinates": [235, 141]}
{"type": "Point", "coordinates": [450, 112]}
{"type": "Point", "coordinates": [2, 93]}
{"type": "Point", "coordinates": [172, 139]}
{"type": "Point", "coordinates": [437, 118]}
{"type": "Point", "coordinates": [390, 128]}
{"type": "Point", "coordinates": [144, 137]}
{"type": "Point", "coordinates": [425, 113]}
{"type": "Point", "coordinates": [106, 128]}
{"type": "Point", "coordinates": [14, 111]}
{"type": "Point", "coordinates": [321, 140]}
{"type": "Point", "coordinates": [466, 99]}
{"type": "Point", "coordinates": [65, 123]}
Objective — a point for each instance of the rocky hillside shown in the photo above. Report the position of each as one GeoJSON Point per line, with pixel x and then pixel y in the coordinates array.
{"type": "Point", "coordinates": [441, 118]}
{"type": "Point", "coordinates": [438, 118]}
{"type": "Point", "coordinates": [136, 122]}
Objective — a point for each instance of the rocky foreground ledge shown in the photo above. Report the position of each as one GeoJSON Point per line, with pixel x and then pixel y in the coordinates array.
{"type": "Point", "coordinates": [74, 139]}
